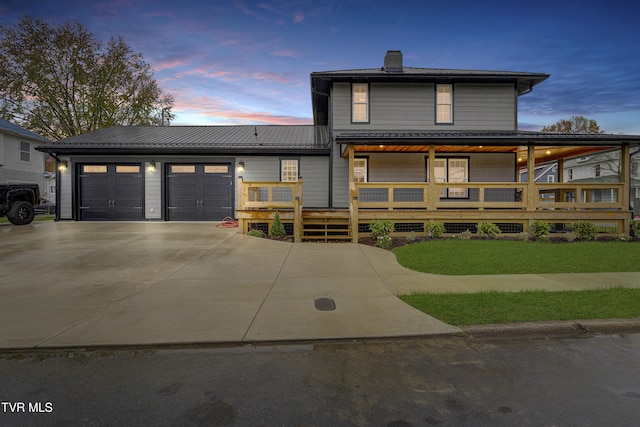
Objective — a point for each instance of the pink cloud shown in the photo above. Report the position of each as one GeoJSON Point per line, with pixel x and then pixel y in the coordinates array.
{"type": "Point", "coordinates": [285, 53]}
{"type": "Point", "coordinates": [298, 17]}
{"type": "Point", "coordinates": [221, 112]}
{"type": "Point", "coordinates": [167, 65]}
{"type": "Point", "coordinates": [274, 77]}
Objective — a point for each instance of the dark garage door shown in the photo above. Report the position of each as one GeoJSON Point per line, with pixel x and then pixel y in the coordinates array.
{"type": "Point", "coordinates": [199, 192]}
{"type": "Point", "coordinates": [111, 192]}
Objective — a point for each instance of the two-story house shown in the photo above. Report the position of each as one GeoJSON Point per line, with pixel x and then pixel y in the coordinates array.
{"type": "Point", "coordinates": [411, 145]}
{"type": "Point", "coordinates": [20, 162]}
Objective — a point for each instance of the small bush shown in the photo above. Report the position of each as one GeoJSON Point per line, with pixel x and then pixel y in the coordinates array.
{"type": "Point", "coordinates": [411, 237]}
{"type": "Point", "coordinates": [489, 230]}
{"type": "Point", "coordinates": [539, 229]}
{"type": "Point", "coordinates": [380, 231]}
{"type": "Point", "coordinates": [570, 237]}
{"type": "Point", "coordinates": [524, 236]}
{"type": "Point", "coordinates": [435, 229]}
{"type": "Point", "coordinates": [585, 230]}
{"type": "Point", "coordinates": [276, 230]}
{"type": "Point", "coordinates": [465, 235]}
{"type": "Point", "coordinates": [635, 227]}
{"type": "Point", "coordinates": [256, 233]}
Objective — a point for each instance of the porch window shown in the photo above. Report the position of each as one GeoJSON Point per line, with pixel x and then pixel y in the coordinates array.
{"type": "Point", "coordinates": [360, 170]}
{"type": "Point", "coordinates": [444, 107]}
{"type": "Point", "coordinates": [452, 169]}
{"type": "Point", "coordinates": [289, 170]}
{"type": "Point", "coordinates": [360, 97]}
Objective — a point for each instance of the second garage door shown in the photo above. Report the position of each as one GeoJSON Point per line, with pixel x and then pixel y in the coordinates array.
{"type": "Point", "coordinates": [199, 192]}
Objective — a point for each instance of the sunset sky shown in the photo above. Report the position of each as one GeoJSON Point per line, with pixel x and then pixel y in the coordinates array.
{"type": "Point", "coordinates": [248, 62]}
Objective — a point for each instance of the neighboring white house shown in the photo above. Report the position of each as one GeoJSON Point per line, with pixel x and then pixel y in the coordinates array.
{"type": "Point", "coordinates": [605, 167]}
{"type": "Point", "coordinates": [19, 160]}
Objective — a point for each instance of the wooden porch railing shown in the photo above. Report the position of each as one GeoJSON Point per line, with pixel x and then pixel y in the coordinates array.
{"type": "Point", "coordinates": [487, 195]}
{"type": "Point", "coordinates": [264, 195]}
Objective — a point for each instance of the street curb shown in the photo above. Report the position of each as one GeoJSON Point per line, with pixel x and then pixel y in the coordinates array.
{"type": "Point", "coordinates": [555, 328]}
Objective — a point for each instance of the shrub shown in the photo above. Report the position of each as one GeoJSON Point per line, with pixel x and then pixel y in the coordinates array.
{"type": "Point", "coordinates": [276, 230]}
{"type": "Point", "coordinates": [585, 230]}
{"type": "Point", "coordinates": [523, 236]}
{"type": "Point", "coordinates": [465, 235]}
{"type": "Point", "coordinates": [256, 233]}
{"type": "Point", "coordinates": [411, 237]}
{"type": "Point", "coordinates": [635, 227]}
{"type": "Point", "coordinates": [435, 229]}
{"type": "Point", "coordinates": [571, 236]}
{"type": "Point", "coordinates": [380, 231]}
{"type": "Point", "coordinates": [539, 229]}
{"type": "Point", "coordinates": [489, 230]}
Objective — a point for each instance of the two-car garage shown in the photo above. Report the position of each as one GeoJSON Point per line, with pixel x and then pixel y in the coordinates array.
{"type": "Point", "coordinates": [191, 192]}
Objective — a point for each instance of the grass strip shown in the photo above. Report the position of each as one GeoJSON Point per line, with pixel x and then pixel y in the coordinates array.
{"type": "Point", "coordinates": [527, 306]}
{"type": "Point", "coordinates": [471, 257]}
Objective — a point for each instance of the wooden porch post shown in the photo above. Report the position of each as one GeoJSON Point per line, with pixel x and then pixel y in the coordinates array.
{"type": "Point", "coordinates": [241, 204]}
{"type": "Point", "coordinates": [531, 178]}
{"type": "Point", "coordinates": [353, 197]}
{"type": "Point", "coordinates": [297, 213]}
{"type": "Point", "coordinates": [625, 176]}
{"type": "Point", "coordinates": [431, 173]}
{"type": "Point", "coordinates": [561, 171]}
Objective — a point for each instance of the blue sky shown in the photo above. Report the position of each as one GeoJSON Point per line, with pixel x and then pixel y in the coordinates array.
{"type": "Point", "coordinates": [248, 62]}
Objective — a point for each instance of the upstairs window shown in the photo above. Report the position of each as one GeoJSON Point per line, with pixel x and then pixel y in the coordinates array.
{"type": "Point", "coordinates": [444, 101]}
{"type": "Point", "coordinates": [360, 108]}
{"type": "Point", "coordinates": [25, 151]}
{"type": "Point", "coordinates": [597, 168]}
{"type": "Point", "coordinates": [289, 170]}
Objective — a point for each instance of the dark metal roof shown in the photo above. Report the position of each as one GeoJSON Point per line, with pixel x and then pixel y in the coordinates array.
{"type": "Point", "coordinates": [321, 81]}
{"type": "Point", "coordinates": [496, 138]}
{"type": "Point", "coordinates": [16, 130]}
{"type": "Point", "coordinates": [196, 140]}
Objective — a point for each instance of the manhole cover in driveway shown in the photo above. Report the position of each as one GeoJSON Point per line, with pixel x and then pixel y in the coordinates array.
{"type": "Point", "coordinates": [325, 304]}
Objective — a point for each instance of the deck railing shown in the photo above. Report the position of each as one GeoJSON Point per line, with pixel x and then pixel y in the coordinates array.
{"type": "Point", "coordinates": [487, 195]}
{"type": "Point", "coordinates": [410, 203]}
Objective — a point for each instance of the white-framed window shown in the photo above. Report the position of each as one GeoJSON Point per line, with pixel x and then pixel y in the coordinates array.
{"type": "Point", "coordinates": [570, 174]}
{"type": "Point", "coordinates": [551, 178]}
{"type": "Point", "coordinates": [452, 169]}
{"type": "Point", "coordinates": [360, 101]}
{"type": "Point", "coordinates": [360, 169]}
{"type": "Point", "coordinates": [25, 151]}
{"type": "Point", "coordinates": [444, 103]}
{"type": "Point", "coordinates": [635, 168]}
{"type": "Point", "coordinates": [289, 170]}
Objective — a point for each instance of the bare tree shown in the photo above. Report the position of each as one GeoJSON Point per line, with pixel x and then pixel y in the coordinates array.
{"type": "Point", "coordinates": [575, 124]}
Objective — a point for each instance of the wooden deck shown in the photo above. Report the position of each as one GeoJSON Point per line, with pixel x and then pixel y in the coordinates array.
{"type": "Point", "coordinates": [410, 206]}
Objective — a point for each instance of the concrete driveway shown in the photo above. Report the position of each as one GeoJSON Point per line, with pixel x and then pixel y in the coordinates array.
{"type": "Point", "coordinates": [70, 284]}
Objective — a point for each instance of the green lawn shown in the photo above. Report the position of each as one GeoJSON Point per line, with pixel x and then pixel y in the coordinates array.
{"type": "Point", "coordinates": [468, 257]}
{"type": "Point", "coordinates": [527, 306]}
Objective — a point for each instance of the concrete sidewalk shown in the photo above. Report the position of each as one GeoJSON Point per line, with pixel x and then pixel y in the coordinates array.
{"type": "Point", "coordinates": [74, 284]}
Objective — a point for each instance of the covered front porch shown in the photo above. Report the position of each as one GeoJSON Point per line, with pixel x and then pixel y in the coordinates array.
{"type": "Point", "coordinates": [459, 200]}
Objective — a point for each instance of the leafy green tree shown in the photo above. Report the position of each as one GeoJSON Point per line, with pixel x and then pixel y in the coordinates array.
{"type": "Point", "coordinates": [59, 81]}
{"type": "Point", "coordinates": [575, 124]}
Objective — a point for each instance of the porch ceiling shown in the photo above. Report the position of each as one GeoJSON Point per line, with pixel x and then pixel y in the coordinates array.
{"type": "Point", "coordinates": [542, 153]}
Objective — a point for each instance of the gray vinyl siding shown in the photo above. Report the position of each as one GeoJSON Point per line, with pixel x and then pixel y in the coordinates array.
{"type": "Point", "coordinates": [398, 167]}
{"type": "Point", "coordinates": [340, 190]}
{"type": "Point", "coordinates": [315, 181]}
{"type": "Point", "coordinates": [484, 107]}
{"type": "Point", "coordinates": [412, 107]}
{"type": "Point", "coordinates": [153, 192]}
{"type": "Point", "coordinates": [313, 169]}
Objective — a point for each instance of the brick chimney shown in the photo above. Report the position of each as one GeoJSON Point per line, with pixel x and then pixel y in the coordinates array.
{"type": "Point", "coordinates": [393, 62]}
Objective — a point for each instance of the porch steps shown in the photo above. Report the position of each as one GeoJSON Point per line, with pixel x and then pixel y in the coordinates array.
{"type": "Point", "coordinates": [326, 229]}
